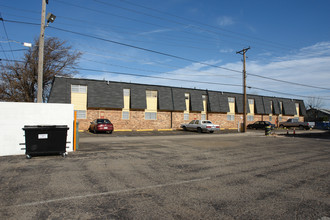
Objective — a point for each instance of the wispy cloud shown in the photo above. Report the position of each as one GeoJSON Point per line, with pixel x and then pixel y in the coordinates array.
{"type": "Point", "coordinates": [309, 65]}
{"type": "Point", "coordinates": [225, 21]}
{"type": "Point", "coordinates": [155, 31]}
{"type": "Point", "coordinates": [226, 51]}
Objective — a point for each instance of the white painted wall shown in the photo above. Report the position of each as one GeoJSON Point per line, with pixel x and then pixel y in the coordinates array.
{"type": "Point", "coordinates": [15, 115]}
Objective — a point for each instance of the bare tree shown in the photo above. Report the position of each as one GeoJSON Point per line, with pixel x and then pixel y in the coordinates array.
{"type": "Point", "coordinates": [19, 79]}
{"type": "Point", "coordinates": [314, 102]}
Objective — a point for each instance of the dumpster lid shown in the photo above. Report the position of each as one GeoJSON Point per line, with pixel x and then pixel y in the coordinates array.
{"type": "Point", "coordinates": [26, 127]}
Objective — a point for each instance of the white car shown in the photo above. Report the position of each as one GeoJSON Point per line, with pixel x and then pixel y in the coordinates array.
{"type": "Point", "coordinates": [201, 126]}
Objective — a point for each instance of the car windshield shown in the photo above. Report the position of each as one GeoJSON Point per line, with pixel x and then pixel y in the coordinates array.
{"type": "Point", "coordinates": [207, 122]}
{"type": "Point", "coordinates": [103, 121]}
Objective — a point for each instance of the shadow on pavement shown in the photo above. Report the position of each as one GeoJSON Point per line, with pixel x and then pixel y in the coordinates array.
{"type": "Point", "coordinates": [320, 135]}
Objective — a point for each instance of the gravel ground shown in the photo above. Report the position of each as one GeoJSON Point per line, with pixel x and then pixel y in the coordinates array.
{"type": "Point", "coordinates": [195, 176]}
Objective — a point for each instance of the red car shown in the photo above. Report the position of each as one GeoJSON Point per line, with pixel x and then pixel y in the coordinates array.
{"type": "Point", "coordinates": [101, 125]}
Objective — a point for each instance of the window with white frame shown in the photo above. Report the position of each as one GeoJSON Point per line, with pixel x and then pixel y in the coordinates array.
{"type": "Point", "coordinates": [231, 100]}
{"type": "Point", "coordinates": [151, 94]}
{"type": "Point", "coordinates": [251, 101]}
{"type": "Point", "coordinates": [151, 115]}
{"type": "Point", "coordinates": [186, 116]}
{"type": "Point", "coordinates": [125, 115]}
{"type": "Point", "coordinates": [78, 89]}
{"type": "Point", "coordinates": [203, 117]}
{"type": "Point", "coordinates": [126, 92]}
{"type": "Point", "coordinates": [231, 117]}
{"type": "Point", "coordinates": [81, 114]}
{"type": "Point", "coordinates": [250, 117]}
{"type": "Point", "coordinates": [270, 118]}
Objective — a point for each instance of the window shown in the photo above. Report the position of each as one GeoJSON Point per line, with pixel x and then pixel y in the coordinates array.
{"type": "Point", "coordinates": [186, 96]}
{"type": "Point", "coordinates": [231, 100]}
{"type": "Point", "coordinates": [192, 122]}
{"type": "Point", "coordinates": [204, 97]}
{"type": "Point", "coordinates": [125, 115]}
{"type": "Point", "coordinates": [81, 114]}
{"type": "Point", "coordinates": [103, 121]}
{"type": "Point", "coordinates": [196, 122]}
{"type": "Point", "coordinates": [271, 107]}
{"type": "Point", "coordinates": [280, 118]}
{"type": "Point", "coordinates": [250, 117]}
{"type": "Point", "coordinates": [78, 89]}
{"type": "Point", "coordinates": [203, 117]}
{"type": "Point", "coordinates": [251, 101]}
{"type": "Point", "coordinates": [270, 118]}
{"type": "Point", "coordinates": [186, 116]}
{"type": "Point", "coordinates": [151, 94]}
{"type": "Point", "coordinates": [151, 115]}
{"type": "Point", "coordinates": [231, 117]}
{"type": "Point", "coordinates": [126, 92]}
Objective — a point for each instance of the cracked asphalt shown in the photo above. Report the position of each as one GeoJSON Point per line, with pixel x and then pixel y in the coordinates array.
{"type": "Point", "coordinates": [174, 176]}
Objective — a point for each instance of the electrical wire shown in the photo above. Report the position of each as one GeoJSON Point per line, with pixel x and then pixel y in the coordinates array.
{"type": "Point", "coordinates": [4, 28]}
{"type": "Point", "coordinates": [195, 21]}
{"type": "Point", "coordinates": [180, 23]}
{"type": "Point", "coordinates": [165, 78]}
{"type": "Point", "coordinates": [172, 56]}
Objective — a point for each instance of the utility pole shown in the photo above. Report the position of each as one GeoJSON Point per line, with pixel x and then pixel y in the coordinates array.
{"type": "Point", "coordinates": [41, 51]}
{"type": "Point", "coordinates": [243, 52]}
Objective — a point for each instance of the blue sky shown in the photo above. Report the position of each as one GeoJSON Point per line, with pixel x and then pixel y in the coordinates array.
{"type": "Point", "coordinates": [192, 42]}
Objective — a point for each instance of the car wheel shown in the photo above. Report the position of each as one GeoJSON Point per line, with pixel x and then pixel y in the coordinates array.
{"type": "Point", "coordinates": [184, 128]}
{"type": "Point", "coordinates": [282, 126]}
{"type": "Point", "coordinates": [211, 132]}
{"type": "Point", "coordinates": [110, 132]}
{"type": "Point", "coordinates": [301, 127]}
{"type": "Point", "coordinates": [199, 130]}
{"type": "Point", "coordinates": [94, 131]}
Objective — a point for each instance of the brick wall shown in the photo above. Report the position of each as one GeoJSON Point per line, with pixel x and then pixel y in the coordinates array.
{"type": "Point", "coordinates": [163, 121]}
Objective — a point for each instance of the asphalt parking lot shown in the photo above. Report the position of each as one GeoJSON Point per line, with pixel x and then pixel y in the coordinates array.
{"type": "Point", "coordinates": [174, 176]}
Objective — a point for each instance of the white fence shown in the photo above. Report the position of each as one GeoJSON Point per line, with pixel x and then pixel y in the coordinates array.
{"type": "Point", "coordinates": [15, 115]}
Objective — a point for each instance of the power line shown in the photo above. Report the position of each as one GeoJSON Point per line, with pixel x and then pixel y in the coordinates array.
{"type": "Point", "coordinates": [156, 77]}
{"type": "Point", "coordinates": [180, 23]}
{"type": "Point", "coordinates": [170, 55]}
{"type": "Point", "coordinates": [165, 78]}
{"type": "Point", "coordinates": [144, 49]}
{"type": "Point", "coordinates": [4, 27]}
{"type": "Point", "coordinates": [287, 82]}
{"type": "Point", "coordinates": [153, 24]}
{"type": "Point", "coordinates": [195, 21]}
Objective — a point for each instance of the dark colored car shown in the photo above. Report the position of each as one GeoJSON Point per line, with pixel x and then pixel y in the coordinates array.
{"type": "Point", "coordinates": [101, 125]}
{"type": "Point", "coordinates": [260, 125]}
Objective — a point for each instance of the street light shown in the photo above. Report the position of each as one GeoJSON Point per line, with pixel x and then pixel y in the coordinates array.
{"type": "Point", "coordinates": [50, 18]}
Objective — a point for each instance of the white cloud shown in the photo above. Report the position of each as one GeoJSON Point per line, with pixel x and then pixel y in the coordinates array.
{"type": "Point", "coordinates": [311, 69]}
{"type": "Point", "coordinates": [225, 21]}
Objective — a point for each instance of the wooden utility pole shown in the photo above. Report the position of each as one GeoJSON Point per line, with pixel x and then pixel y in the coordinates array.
{"type": "Point", "coordinates": [41, 52]}
{"type": "Point", "coordinates": [243, 52]}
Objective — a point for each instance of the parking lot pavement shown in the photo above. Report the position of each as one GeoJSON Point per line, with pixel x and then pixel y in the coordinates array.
{"type": "Point", "coordinates": [202, 176]}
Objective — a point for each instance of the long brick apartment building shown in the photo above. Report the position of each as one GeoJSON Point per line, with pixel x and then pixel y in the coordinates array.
{"type": "Point", "coordinates": [132, 106]}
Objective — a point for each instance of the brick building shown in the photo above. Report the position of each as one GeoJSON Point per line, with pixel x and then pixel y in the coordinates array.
{"type": "Point", "coordinates": [132, 106]}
